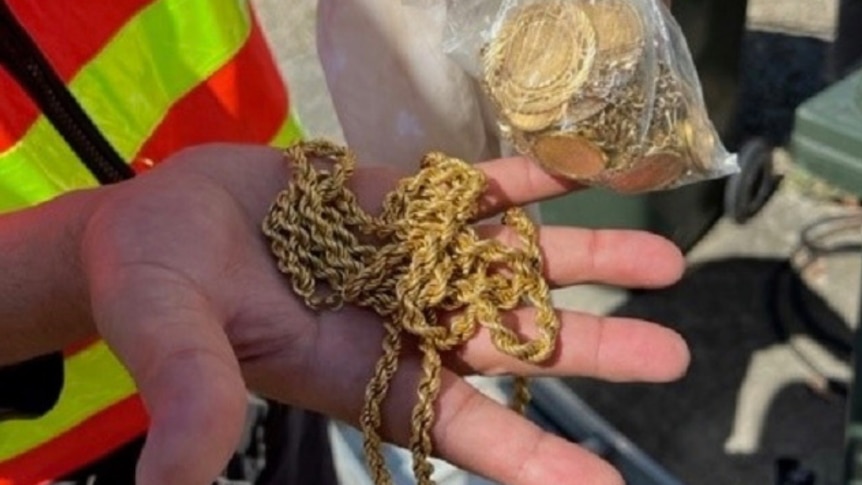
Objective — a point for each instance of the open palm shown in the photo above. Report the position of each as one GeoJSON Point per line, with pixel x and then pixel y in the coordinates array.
{"type": "Point", "coordinates": [185, 291]}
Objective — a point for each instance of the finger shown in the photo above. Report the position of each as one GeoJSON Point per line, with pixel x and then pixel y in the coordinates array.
{"type": "Point", "coordinates": [183, 365]}
{"type": "Point", "coordinates": [616, 257]}
{"type": "Point", "coordinates": [510, 182]}
{"type": "Point", "coordinates": [608, 348]}
{"type": "Point", "coordinates": [517, 181]}
{"type": "Point", "coordinates": [476, 433]}
{"type": "Point", "coordinates": [470, 430]}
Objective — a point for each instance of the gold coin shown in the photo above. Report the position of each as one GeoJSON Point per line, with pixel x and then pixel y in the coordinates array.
{"type": "Point", "coordinates": [535, 88]}
{"type": "Point", "coordinates": [536, 121]}
{"type": "Point", "coordinates": [652, 172]}
{"type": "Point", "coordinates": [569, 155]}
{"type": "Point", "coordinates": [620, 43]}
{"type": "Point", "coordinates": [620, 30]}
{"type": "Point", "coordinates": [541, 56]}
{"type": "Point", "coordinates": [699, 139]}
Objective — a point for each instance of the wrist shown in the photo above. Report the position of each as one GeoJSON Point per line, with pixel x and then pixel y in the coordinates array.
{"type": "Point", "coordinates": [44, 302]}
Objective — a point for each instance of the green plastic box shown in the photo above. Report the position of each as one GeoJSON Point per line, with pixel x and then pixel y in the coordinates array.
{"type": "Point", "coordinates": [827, 141]}
{"type": "Point", "coordinates": [683, 215]}
{"type": "Point", "coordinates": [827, 136]}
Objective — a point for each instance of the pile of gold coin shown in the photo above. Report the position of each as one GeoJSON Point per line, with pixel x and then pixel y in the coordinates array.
{"type": "Point", "coordinates": [577, 89]}
{"type": "Point", "coordinates": [531, 84]}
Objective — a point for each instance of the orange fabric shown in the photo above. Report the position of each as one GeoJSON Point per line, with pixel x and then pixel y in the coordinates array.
{"type": "Point", "coordinates": [17, 112]}
{"type": "Point", "coordinates": [69, 34]}
{"type": "Point", "coordinates": [84, 444]}
{"type": "Point", "coordinates": [244, 101]}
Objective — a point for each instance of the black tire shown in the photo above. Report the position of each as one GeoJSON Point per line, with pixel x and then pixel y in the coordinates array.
{"type": "Point", "coordinates": [749, 190]}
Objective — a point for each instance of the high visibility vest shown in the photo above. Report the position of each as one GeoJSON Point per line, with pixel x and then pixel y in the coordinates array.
{"type": "Point", "coordinates": [153, 76]}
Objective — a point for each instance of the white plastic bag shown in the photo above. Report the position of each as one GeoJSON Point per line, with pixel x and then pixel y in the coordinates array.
{"type": "Point", "coordinates": [396, 93]}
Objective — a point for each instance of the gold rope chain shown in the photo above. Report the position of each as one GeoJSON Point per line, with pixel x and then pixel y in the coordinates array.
{"type": "Point", "coordinates": [417, 261]}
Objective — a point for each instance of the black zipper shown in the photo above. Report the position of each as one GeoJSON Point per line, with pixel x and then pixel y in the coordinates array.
{"type": "Point", "coordinates": [20, 55]}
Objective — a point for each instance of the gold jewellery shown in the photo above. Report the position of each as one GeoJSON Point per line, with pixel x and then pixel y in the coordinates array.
{"type": "Point", "coordinates": [416, 261]}
{"type": "Point", "coordinates": [579, 87]}
{"type": "Point", "coordinates": [531, 84]}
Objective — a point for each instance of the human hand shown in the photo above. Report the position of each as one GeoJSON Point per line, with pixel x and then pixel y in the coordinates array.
{"type": "Point", "coordinates": [185, 291]}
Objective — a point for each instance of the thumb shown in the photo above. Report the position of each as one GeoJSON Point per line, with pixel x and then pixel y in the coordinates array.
{"type": "Point", "coordinates": [172, 343]}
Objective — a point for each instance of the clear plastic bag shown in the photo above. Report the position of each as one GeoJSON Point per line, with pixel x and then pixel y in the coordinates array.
{"type": "Point", "coordinates": [600, 91]}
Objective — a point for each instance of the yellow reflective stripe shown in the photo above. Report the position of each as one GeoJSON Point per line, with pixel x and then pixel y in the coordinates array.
{"type": "Point", "coordinates": [161, 54]}
{"type": "Point", "coordinates": [39, 167]}
{"type": "Point", "coordinates": [31, 173]}
{"type": "Point", "coordinates": [83, 396]}
{"type": "Point", "coordinates": [290, 131]}
{"type": "Point", "coordinates": [94, 380]}
{"type": "Point", "coordinates": [157, 57]}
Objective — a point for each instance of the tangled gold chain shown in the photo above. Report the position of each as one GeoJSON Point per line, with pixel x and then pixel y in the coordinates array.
{"type": "Point", "coordinates": [420, 257]}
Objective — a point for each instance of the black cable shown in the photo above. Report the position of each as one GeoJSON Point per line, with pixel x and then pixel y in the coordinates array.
{"type": "Point", "coordinates": [834, 224]}
{"type": "Point", "coordinates": [812, 242]}
{"type": "Point", "coordinates": [780, 285]}
{"type": "Point", "coordinates": [788, 296]}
